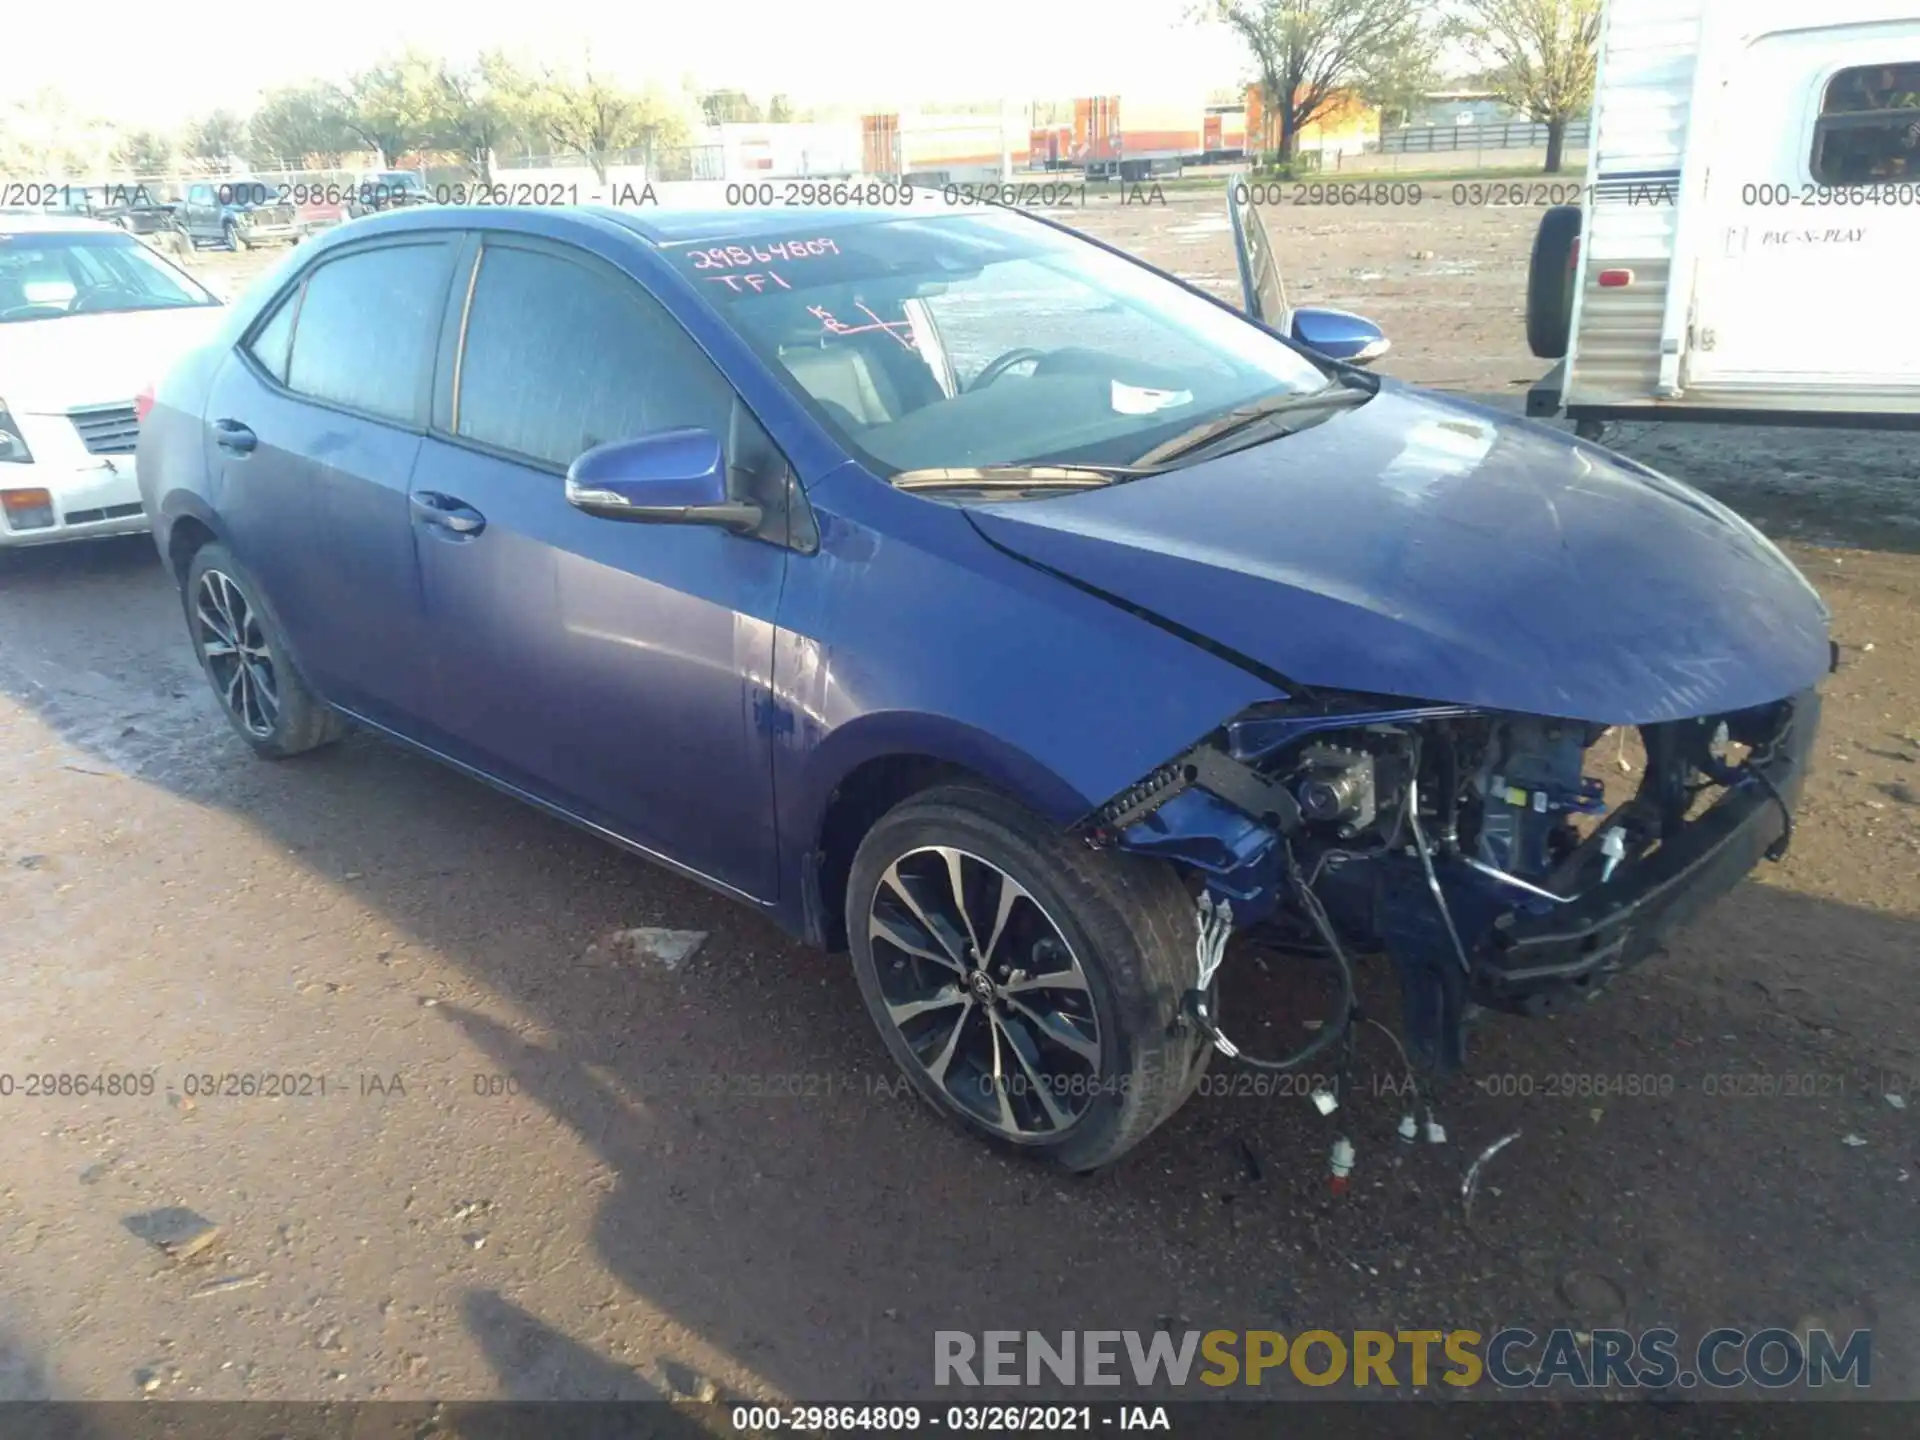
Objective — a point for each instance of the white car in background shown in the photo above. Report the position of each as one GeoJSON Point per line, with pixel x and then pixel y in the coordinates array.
{"type": "Point", "coordinates": [89, 317]}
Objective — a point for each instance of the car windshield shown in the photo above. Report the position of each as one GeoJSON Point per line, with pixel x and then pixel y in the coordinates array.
{"type": "Point", "coordinates": [967, 341]}
{"type": "Point", "coordinates": [46, 276]}
{"type": "Point", "coordinates": [397, 180]}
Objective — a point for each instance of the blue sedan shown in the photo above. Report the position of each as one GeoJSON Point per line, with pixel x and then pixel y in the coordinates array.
{"type": "Point", "coordinates": [978, 600]}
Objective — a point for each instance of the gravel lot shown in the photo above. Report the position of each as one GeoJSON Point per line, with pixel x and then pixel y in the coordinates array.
{"type": "Point", "coordinates": [545, 1168]}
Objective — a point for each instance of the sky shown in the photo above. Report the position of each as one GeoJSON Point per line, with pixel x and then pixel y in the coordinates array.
{"type": "Point", "coordinates": [169, 62]}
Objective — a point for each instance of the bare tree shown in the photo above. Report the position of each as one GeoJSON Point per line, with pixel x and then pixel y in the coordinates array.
{"type": "Point", "coordinates": [1312, 53]}
{"type": "Point", "coordinates": [1541, 58]}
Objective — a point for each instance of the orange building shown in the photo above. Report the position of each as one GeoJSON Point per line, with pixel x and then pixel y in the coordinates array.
{"type": "Point", "coordinates": [1344, 123]}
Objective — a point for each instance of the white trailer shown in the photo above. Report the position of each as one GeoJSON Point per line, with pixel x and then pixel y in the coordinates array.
{"type": "Point", "coordinates": [1747, 246]}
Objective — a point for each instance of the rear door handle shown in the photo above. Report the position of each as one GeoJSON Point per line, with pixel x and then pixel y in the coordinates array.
{"type": "Point", "coordinates": [445, 512]}
{"type": "Point", "coordinates": [232, 436]}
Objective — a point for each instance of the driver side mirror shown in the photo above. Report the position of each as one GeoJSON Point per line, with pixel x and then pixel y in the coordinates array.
{"type": "Point", "coordinates": [668, 477]}
{"type": "Point", "coordinates": [1339, 335]}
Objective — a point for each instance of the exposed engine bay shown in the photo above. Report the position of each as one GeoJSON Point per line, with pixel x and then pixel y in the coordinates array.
{"type": "Point", "coordinates": [1497, 861]}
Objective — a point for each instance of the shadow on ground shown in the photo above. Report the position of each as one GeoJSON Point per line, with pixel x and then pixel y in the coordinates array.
{"type": "Point", "coordinates": [777, 1192]}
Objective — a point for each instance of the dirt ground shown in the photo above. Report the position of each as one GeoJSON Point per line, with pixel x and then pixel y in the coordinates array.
{"type": "Point", "coordinates": [545, 1169]}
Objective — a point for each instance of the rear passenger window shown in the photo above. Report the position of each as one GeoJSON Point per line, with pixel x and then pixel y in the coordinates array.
{"type": "Point", "coordinates": [273, 342]}
{"type": "Point", "coordinates": [559, 359]}
{"type": "Point", "coordinates": [367, 328]}
{"type": "Point", "coordinates": [1869, 126]}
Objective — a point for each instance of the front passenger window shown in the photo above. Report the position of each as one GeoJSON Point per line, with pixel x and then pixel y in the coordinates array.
{"type": "Point", "coordinates": [559, 358]}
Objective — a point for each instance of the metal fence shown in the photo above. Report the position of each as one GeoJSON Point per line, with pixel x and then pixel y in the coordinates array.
{"type": "Point", "coordinates": [1450, 139]}
{"type": "Point", "coordinates": [659, 162]}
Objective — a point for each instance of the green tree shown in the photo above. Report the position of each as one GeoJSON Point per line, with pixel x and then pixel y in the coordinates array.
{"type": "Point", "coordinates": [730, 107]}
{"type": "Point", "coordinates": [301, 124]}
{"type": "Point", "coordinates": [1541, 57]}
{"type": "Point", "coordinates": [217, 137]}
{"type": "Point", "coordinates": [482, 108]}
{"type": "Point", "coordinates": [42, 136]}
{"type": "Point", "coordinates": [1398, 80]}
{"type": "Point", "coordinates": [395, 106]}
{"type": "Point", "coordinates": [142, 153]}
{"type": "Point", "coordinates": [1310, 53]}
{"type": "Point", "coordinates": [587, 112]}
{"type": "Point", "coordinates": [780, 110]}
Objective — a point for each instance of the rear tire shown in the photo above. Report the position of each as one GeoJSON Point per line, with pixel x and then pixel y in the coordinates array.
{"type": "Point", "coordinates": [1552, 282]}
{"type": "Point", "coordinates": [243, 653]}
{"type": "Point", "coordinates": [1047, 1019]}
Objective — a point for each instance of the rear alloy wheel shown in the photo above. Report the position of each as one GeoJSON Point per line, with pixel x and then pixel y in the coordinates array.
{"type": "Point", "coordinates": [1030, 988]}
{"type": "Point", "coordinates": [245, 660]}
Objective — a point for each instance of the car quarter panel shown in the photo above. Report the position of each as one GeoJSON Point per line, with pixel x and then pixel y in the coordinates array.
{"type": "Point", "coordinates": [175, 478]}
{"type": "Point", "coordinates": [909, 635]}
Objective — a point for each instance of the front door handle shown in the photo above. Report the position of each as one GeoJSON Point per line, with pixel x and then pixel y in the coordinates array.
{"type": "Point", "coordinates": [444, 511]}
{"type": "Point", "coordinates": [232, 436]}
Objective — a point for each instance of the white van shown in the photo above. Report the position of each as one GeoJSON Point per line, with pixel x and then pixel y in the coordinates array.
{"type": "Point", "coordinates": [1748, 246]}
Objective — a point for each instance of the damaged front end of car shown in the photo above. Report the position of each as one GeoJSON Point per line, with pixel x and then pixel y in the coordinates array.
{"type": "Point", "coordinates": [1499, 861]}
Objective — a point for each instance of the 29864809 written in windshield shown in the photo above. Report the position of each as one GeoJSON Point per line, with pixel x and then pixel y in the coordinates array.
{"type": "Point", "coordinates": [980, 340]}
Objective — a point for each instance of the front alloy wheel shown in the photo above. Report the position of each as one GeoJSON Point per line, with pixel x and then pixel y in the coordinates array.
{"type": "Point", "coordinates": [1030, 988]}
{"type": "Point", "coordinates": [985, 991]}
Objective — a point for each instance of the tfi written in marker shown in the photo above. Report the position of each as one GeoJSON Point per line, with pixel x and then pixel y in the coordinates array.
{"type": "Point", "coordinates": [756, 281]}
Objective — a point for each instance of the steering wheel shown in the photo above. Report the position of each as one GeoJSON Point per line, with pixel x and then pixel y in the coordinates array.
{"type": "Point", "coordinates": [85, 300]}
{"type": "Point", "coordinates": [1000, 364]}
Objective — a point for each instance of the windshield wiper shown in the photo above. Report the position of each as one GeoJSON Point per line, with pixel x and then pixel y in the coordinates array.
{"type": "Point", "coordinates": [1020, 477]}
{"type": "Point", "coordinates": [1245, 417]}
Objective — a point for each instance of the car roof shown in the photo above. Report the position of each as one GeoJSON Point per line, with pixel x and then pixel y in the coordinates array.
{"type": "Point", "coordinates": [665, 225]}
{"type": "Point", "coordinates": [40, 222]}
{"type": "Point", "coordinates": [657, 226]}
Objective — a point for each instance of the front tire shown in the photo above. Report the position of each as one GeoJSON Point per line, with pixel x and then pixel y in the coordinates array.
{"type": "Point", "coordinates": [243, 654]}
{"type": "Point", "coordinates": [230, 232]}
{"type": "Point", "coordinates": [1030, 988]}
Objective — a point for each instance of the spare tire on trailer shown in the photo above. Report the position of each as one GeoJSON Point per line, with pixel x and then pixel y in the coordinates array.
{"type": "Point", "coordinates": [1551, 281]}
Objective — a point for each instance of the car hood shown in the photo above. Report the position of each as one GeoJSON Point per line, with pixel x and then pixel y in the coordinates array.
{"type": "Point", "coordinates": [49, 366]}
{"type": "Point", "coordinates": [1431, 548]}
